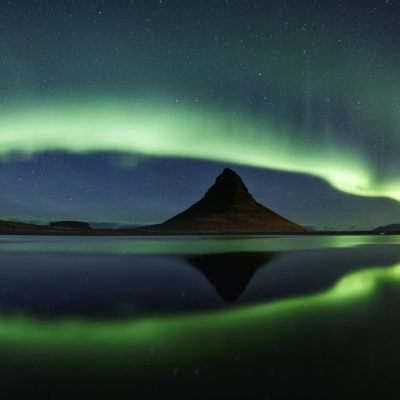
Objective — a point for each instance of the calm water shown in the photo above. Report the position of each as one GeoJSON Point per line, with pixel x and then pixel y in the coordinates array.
{"type": "Point", "coordinates": [202, 317]}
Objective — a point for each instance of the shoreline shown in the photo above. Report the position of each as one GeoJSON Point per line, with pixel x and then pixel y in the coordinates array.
{"type": "Point", "coordinates": [111, 232]}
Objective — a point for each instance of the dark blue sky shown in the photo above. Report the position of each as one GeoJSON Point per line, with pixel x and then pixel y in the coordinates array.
{"type": "Point", "coordinates": [126, 111]}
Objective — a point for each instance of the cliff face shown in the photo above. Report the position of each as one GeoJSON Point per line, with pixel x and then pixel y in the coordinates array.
{"type": "Point", "coordinates": [227, 207]}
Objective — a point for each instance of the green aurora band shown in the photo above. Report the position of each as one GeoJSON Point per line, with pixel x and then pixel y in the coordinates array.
{"type": "Point", "coordinates": [162, 129]}
{"type": "Point", "coordinates": [174, 338]}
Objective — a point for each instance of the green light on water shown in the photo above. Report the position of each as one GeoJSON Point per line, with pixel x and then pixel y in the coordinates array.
{"type": "Point", "coordinates": [178, 337]}
{"type": "Point", "coordinates": [209, 245]}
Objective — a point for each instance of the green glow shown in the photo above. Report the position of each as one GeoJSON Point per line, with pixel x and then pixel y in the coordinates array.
{"type": "Point", "coordinates": [156, 128]}
{"type": "Point", "coordinates": [229, 244]}
{"type": "Point", "coordinates": [176, 338]}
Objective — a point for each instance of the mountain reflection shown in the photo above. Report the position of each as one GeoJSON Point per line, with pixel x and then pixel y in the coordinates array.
{"type": "Point", "coordinates": [230, 273]}
{"type": "Point", "coordinates": [125, 286]}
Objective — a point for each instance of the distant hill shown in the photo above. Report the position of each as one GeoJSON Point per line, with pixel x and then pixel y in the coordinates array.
{"type": "Point", "coordinates": [388, 228]}
{"type": "Point", "coordinates": [112, 225]}
{"type": "Point", "coordinates": [70, 224]}
{"type": "Point", "coordinates": [18, 227]}
{"type": "Point", "coordinates": [227, 207]}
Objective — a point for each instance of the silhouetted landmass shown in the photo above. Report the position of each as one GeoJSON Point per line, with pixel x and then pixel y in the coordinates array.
{"type": "Point", "coordinates": [113, 225]}
{"type": "Point", "coordinates": [230, 273]}
{"type": "Point", "coordinates": [392, 228]}
{"type": "Point", "coordinates": [227, 207]}
{"type": "Point", "coordinates": [70, 224]}
{"type": "Point", "coordinates": [20, 228]}
{"type": "Point", "coordinates": [11, 226]}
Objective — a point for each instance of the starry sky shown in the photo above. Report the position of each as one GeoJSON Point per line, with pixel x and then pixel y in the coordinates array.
{"type": "Point", "coordinates": [124, 111]}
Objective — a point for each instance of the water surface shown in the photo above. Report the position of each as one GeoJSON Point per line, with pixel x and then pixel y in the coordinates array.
{"type": "Point", "coordinates": [218, 317]}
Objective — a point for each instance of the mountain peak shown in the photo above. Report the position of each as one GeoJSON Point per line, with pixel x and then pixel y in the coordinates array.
{"type": "Point", "coordinates": [228, 189]}
{"type": "Point", "coordinates": [229, 172]}
{"type": "Point", "coordinates": [228, 177]}
{"type": "Point", "coordinates": [227, 207]}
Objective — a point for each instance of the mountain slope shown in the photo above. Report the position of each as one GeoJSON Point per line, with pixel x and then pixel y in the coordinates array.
{"type": "Point", "coordinates": [388, 228]}
{"type": "Point", "coordinates": [227, 207]}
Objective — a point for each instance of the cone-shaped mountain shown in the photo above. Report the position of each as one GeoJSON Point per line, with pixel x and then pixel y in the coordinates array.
{"type": "Point", "coordinates": [227, 207]}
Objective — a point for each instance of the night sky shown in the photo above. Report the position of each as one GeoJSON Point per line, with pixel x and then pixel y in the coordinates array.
{"type": "Point", "coordinates": [124, 112]}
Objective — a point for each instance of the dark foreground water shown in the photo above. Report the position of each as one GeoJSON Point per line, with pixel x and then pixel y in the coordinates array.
{"type": "Point", "coordinates": [214, 318]}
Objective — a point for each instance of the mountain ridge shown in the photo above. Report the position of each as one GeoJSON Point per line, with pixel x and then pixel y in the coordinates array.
{"type": "Point", "coordinates": [227, 207]}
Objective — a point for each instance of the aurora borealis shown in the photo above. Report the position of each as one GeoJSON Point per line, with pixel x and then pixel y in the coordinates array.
{"type": "Point", "coordinates": [110, 109]}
